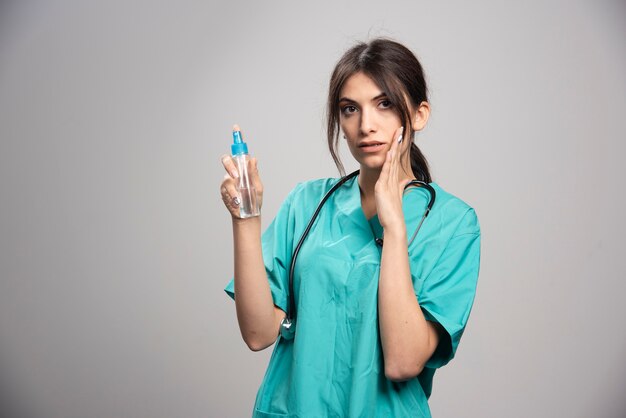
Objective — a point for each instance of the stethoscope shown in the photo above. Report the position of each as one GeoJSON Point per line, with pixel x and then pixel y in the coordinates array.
{"type": "Point", "coordinates": [288, 324]}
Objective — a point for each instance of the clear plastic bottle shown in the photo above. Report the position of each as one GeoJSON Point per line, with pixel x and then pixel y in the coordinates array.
{"type": "Point", "coordinates": [248, 207]}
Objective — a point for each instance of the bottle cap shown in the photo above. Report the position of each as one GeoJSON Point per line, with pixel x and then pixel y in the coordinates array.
{"type": "Point", "coordinates": [238, 147]}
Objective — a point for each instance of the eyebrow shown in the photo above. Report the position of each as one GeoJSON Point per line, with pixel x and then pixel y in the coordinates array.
{"type": "Point", "coordinates": [380, 96]}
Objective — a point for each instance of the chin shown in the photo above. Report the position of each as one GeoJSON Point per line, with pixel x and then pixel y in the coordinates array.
{"type": "Point", "coordinates": [374, 164]}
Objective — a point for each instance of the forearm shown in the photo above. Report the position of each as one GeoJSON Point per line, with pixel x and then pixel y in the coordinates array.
{"type": "Point", "coordinates": [256, 312]}
{"type": "Point", "coordinates": [408, 340]}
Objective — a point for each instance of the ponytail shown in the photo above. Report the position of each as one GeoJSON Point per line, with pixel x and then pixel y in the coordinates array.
{"type": "Point", "coordinates": [419, 165]}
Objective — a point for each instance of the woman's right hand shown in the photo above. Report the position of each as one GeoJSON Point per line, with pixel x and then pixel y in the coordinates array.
{"type": "Point", "coordinates": [228, 188]}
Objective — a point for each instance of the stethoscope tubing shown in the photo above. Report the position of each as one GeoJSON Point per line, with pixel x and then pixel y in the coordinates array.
{"type": "Point", "coordinates": [287, 329]}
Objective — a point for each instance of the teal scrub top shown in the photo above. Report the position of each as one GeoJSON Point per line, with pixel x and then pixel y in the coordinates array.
{"type": "Point", "coordinates": [334, 365]}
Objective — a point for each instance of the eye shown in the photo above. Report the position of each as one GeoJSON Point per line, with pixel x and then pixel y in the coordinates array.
{"type": "Point", "coordinates": [385, 104]}
{"type": "Point", "coordinates": [348, 110]}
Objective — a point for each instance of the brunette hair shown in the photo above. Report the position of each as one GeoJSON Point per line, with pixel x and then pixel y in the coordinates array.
{"type": "Point", "coordinates": [398, 73]}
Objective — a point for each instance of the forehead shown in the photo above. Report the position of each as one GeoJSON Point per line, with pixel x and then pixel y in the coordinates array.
{"type": "Point", "coordinates": [360, 86]}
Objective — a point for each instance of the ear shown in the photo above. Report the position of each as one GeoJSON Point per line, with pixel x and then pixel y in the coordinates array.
{"type": "Point", "coordinates": [420, 116]}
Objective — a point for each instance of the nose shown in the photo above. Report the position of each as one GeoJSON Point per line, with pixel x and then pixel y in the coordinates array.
{"type": "Point", "coordinates": [368, 121]}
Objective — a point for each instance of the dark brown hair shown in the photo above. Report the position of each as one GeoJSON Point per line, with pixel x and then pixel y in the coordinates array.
{"type": "Point", "coordinates": [398, 73]}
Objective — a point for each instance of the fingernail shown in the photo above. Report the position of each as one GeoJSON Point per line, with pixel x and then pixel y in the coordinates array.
{"type": "Point", "coordinates": [401, 132]}
{"type": "Point", "coordinates": [234, 174]}
{"type": "Point", "coordinates": [236, 201]}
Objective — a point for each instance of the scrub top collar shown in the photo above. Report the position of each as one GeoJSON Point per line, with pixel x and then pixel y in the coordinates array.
{"type": "Point", "coordinates": [414, 204]}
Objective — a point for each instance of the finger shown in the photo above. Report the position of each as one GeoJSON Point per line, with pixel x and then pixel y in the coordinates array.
{"type": "Point", "coordinates": [231, 198]}
{"type": "Point", "coordinates": [229, 165]}
{"type": "Point", "coordinates": [229, 192]}
{"type": "Point", "coordinates": [395, 144]}
{"type": "Point", "coordinates": [393, 169]}
{"type": "Point", "coordinates": [399, 134]}
{"type": "Point", "coordinates": [398, 137]}
{"type": "Point", "coordinates": [232, 203]}
{"type": "Point", "coordinates": [384, 172]}
{"type": "Point", "coordinates": [253, 168]}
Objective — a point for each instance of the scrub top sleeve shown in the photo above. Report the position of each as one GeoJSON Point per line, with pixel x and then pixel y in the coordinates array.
{"type": "Point", "coordinates": [276, 244]}
{"type": "Point", "coordinates": [447, 293]}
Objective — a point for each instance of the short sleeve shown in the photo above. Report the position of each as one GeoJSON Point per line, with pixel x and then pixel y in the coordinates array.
{"type": "Point", "coordinates": [276, 244]}
{"type": "Point", "coordinates": [447, 293]}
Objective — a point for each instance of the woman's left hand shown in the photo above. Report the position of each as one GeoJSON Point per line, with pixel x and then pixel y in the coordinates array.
{"type": "Point", "coordinates": [390, 187]}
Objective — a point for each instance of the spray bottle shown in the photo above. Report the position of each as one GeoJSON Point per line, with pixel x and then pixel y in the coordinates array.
{"type": "Point", "coordinates": [247, 193]}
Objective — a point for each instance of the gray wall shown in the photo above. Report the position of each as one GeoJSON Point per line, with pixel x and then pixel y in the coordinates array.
{"type": "Point", "coordinates": [115, 246]}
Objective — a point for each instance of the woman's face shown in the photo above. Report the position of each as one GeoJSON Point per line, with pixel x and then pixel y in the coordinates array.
{"type": "Point", "coordinates": [368, 120]}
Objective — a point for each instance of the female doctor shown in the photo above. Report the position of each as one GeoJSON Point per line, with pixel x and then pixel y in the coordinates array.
{"type": "Point", "coordinates": [377, 311]}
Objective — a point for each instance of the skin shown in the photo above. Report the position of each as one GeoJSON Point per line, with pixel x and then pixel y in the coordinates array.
{"type": "Point", "coordinates": [259, 319]}
{"type": "Point", "coordinates": [367, 117]}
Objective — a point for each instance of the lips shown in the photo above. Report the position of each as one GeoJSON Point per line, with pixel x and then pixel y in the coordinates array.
{"type": "Point", "coordinates": [371, 146]}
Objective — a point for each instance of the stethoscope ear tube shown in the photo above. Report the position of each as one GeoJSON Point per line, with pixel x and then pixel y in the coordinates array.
{"type": "Point", "coordinates": [288, 324]}
{"type": "Point", "coordinates": [431, 202]}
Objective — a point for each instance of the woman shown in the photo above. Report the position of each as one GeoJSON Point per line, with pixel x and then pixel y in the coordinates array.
{"type": "Point", "coordinates": [374, 321]}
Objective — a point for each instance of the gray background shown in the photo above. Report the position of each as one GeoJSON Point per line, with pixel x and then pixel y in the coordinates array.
{"type": "Point", "coordinates": [115, 246]}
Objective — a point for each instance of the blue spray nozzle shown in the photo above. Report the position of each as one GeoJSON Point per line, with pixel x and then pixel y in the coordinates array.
{"type": "Point", "coordinates": [238, 146]}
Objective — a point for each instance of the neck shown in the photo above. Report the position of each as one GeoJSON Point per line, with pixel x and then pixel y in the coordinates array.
{"type": "Point", "coordinates": [367, 181]}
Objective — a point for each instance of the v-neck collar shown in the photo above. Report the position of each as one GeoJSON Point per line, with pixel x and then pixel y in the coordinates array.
{"type": "Point", "coordinates": [410, 199]}
{"type": "Point", "coordinates": [373, 224]}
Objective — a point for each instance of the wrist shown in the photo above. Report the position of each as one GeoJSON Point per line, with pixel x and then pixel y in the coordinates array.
{"type": "Point", "coordinates": [245, 223]}
{"type": "Point", "coordinates": [395, 231]}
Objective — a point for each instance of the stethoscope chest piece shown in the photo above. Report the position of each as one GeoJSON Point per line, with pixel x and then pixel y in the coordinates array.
{"type": "Point", "coordinates": [288, 328]}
